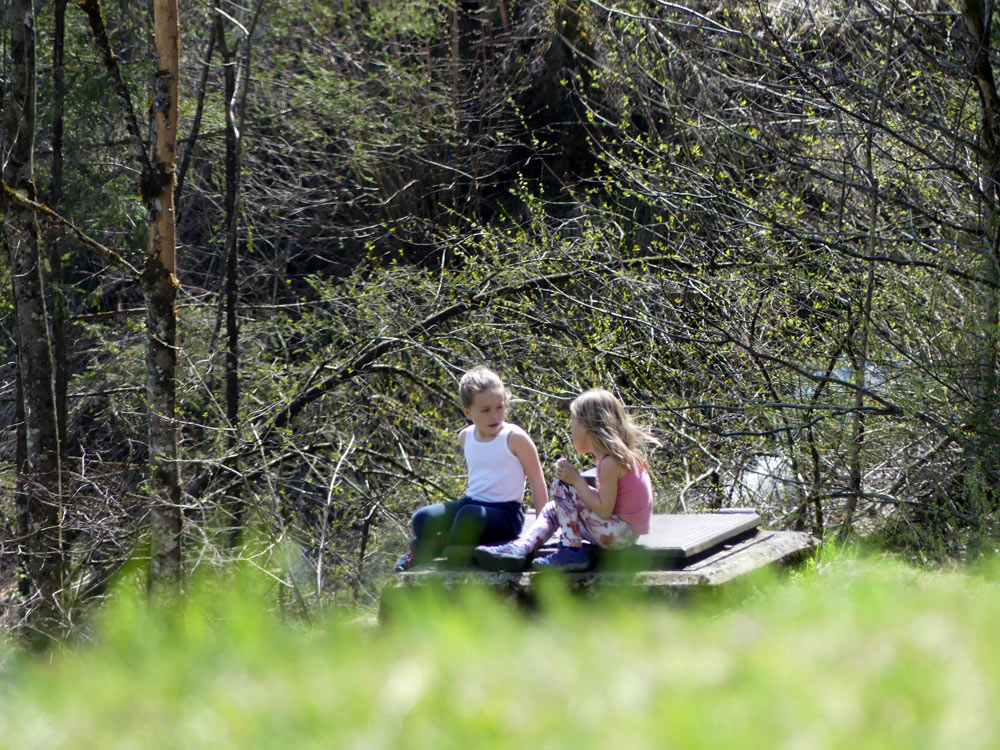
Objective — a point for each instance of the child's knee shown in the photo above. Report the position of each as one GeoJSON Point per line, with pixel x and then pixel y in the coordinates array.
{"type": "Point", "coordinates": [548, 509]}
{"type": "Point", "coordinates": [468, 525]}
{"type": "Point", "coordinates": [427, 518]}
{"type": "Point", "coordinates": [470, 515]}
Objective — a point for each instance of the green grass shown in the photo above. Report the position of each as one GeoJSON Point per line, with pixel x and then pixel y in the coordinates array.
{"type": "Point", "coordinates": [856, 653]}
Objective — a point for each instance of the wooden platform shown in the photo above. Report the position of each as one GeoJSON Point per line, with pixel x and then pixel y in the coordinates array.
{"type": "Point", "coordinates": [680, 552]}
{"type": "Point", "coordinates": [674, 539]}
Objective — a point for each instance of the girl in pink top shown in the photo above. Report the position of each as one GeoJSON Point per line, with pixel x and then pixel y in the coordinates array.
{"type": "Point", "coordinates": [612, 515]}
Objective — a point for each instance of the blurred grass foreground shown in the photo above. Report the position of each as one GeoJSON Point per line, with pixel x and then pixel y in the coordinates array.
{"type": "Point", "coordinates": [850, 652]}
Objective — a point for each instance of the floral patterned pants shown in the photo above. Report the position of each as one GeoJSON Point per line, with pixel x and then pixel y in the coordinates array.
{"type": "Point", "coordinates": [568, 513]}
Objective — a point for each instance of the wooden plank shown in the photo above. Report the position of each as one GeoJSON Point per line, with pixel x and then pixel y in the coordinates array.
{"type": "Point", "coordinates": [676, 537]}
{"type": "Point", "coordinates": [673, 538]}
{"type": "Point", "coordinates": [685, 535]}
{"type": "Point", "coordinates": [762, 548]}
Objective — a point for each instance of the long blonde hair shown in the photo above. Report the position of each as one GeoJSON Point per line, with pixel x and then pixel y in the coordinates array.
{"type": "Point", "coordinates": [603, 417]}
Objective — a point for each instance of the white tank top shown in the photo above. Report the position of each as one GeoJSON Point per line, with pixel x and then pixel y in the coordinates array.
{"type": "Point", "coordinates": [495, 474]}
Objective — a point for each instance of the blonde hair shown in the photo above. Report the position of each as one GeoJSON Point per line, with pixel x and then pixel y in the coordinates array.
{"type": "Point", "coordinates": [602, 415]}
{"type": "Point", "coordinates": [481, 379]}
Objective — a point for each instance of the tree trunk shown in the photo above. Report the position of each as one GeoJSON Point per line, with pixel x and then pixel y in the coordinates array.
{"type": "Point", "coordinates": [859, 356]}
{"type": "Point", "coordinates": [159, 277]}
{"type": "Point", "coordinates": [21, 522]}
{"type": "Point", "coordinates": [232, 168]}
{"type": "Point", "coordinates": [159, 284]}
{"type": "Point", "coordinates": [236, 73]}
{"type": "Point", "coordinates": [39, 511]}
{"type": "Point", "coordinates": [979, 18]}
{"type": "Point", "coordinates": [54, 236]}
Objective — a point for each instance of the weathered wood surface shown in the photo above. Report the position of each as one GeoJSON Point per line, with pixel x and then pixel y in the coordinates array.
{"type": "Point", "coordinates": [673, 540]}
{"type": "Point", "coordinates": [744, 553]}
{"type": "Point", "coordinates": [684, 535]}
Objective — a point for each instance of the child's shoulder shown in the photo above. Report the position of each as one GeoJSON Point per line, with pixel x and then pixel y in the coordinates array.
{"type": "Point", "coordinates": [608, 465]}
{"type": "Point", "coordinates": [516, 429]}
{"type": "Point", "coordinates": [517, 436]}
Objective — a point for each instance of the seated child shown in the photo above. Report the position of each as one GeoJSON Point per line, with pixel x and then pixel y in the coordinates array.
{"type": "Point", "coordinates": [499, 457]}
{"type": "Point", "coordinates": [612, 516]}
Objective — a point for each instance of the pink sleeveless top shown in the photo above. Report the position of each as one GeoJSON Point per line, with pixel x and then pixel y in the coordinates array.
{"type": "Point", "coordinates": [635, 499]}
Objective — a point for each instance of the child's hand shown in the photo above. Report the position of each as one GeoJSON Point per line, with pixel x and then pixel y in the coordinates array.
{"type": "Point", "coordinates": [566, 472]}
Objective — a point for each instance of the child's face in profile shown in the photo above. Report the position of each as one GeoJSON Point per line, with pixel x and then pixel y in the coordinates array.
{"type": "Point", "coordinates": [487, 413]}
{"type": "Point", "coordinates": [581, 438]}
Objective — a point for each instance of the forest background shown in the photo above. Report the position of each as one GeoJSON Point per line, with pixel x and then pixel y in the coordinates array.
{"type": "Point", "coordinates": [771, 228]}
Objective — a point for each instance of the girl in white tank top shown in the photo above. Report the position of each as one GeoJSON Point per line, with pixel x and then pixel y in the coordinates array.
{"type": "Point", "coordinates": [499, 458]}
{"type": "Point", "coordinates": [495, 473]}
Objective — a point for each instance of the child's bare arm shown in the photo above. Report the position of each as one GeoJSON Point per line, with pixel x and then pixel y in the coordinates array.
{"type": "Point", "coordinates": [524, 448]}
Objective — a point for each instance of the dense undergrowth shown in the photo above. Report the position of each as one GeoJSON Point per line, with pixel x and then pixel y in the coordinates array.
{"type": "Point", "coordinates": [852, 651]}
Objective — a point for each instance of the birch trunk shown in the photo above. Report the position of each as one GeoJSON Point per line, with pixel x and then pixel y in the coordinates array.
{"type": "Point", "coordinates": [159, 284]}
{"type": "Point", "coordinates": [159, 276]}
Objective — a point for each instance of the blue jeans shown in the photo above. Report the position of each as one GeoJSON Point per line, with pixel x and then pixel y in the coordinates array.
{"type": "Point", "coordinates": [465, 522]}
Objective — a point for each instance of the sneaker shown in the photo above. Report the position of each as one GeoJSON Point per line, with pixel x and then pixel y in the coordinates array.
{"type": "Point", "coordinates": [404, 563]}
{"type": "Point", "coordinates": [407, 561]}
{"type": "Point", "coordinates": [568, 559]}
{"type": "Point", "coordinates": [509, 557]}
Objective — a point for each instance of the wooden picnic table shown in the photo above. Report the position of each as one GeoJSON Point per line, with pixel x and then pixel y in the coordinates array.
{"type": "Point", "coordinates": [681, 552]}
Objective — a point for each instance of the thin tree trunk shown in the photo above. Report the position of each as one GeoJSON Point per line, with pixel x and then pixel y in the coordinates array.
{"type": "Point", "coordinates": [159, 284]}
{"type": "Point", "coordinates": [54, 236]}
{"type": "Point", "coordinates": [39, 512]}
{"type": "Point", "coordinates": [236, 75]}
{"type": "Point", "coordinates": [21, 505]}
{"type": "Point", "coordinates": [979, 20]}
{"type": "Point", "coordinates": [159, 277]}
{"type": "Point", "coordinates": [232, 198]}
{"type": "Point", "coordinates": [860, 355]}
